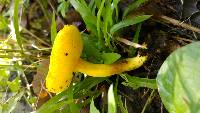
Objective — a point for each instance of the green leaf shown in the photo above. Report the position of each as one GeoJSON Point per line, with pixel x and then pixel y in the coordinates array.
{"type": "Point", "coordinates": [44, 3]}
{"type": "Point", "coordinates": [16, 24]}
{"type": "Point", "coordinates": [93, 109]}
{"type": "Point", "coordinates": [12, 102]}
{"type": "Point", "coordinates": [97, 3]}
{"type": "Point", "coordinates": [136, 82]}
{"type": "Point", "coordinates": [133, 6]}
{"type": "Point", "coordinates": [107, 20]}
{"type": "Point", "coordinates": [178, 80]}
{"type": "Point", "coordinates": [14, 85]}
{"type": "Point", "coordinates": [87, 84]}
{"type": "Point", "coordinates": [109, 58]}
{"type": "Point", "coordinates": [90, 50]}
{"type": "Point", "coordinates": [3, 23]}
{"type": "Point", "coordinates": [55, 103]}
{"type": "Point", "coordinates": [74, 108]}
{"type": "Point", "coordinates": [115, 6]}
{"type": "Point", "coordinates": [135, 40]}
{"type": "Point", "coordinates": [86, 13]}
{"type": "Point", "coordinates": [53, 29]}
{"type": "Point", "coordinates": [3, 79]}
{"type": "Point", "coordinates": [66, 97]}
{"type": "Point", "coordinates": [128, 22]}
{"type": "Point", "coordinates": [111, 100]}
{"type": "Point", "coordinates": [122, 107]}
{"type": "Point", "coordinates": [63, 7]}
{"type": "Point", "coordinates": [99, 22]}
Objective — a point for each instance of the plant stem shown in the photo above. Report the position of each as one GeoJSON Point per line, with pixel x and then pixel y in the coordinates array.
{"type": "Point", "coordinates": [150, 98]}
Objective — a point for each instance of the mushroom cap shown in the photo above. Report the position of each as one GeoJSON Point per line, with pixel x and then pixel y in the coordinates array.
{"type": "Point", "coordinates": [65, 54]}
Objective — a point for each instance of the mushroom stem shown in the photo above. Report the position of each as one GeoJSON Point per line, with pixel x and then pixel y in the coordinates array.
{"type": "Point", "coordinates": [104, 70]}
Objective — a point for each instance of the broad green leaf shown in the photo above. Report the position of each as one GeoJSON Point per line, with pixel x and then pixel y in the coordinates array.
{"type": "Point", "coordinates": [136, 82]}
{"type": "Point", "coordinates": [178, 80]}
{"type": "Point", "coordinates": [128, 22]}
{"type": "Point", "coordinates": [53, 28]}
{"type": "Point", "coordinates": [109, 58]}
{"type": "Point", "coordinates": [90, 50]}
{"type": "Point", "coordinates": [93, 109]}
{"type": "Point", "coordinates": [111, 100]}
{"type": "Point", "coordinates": [12, 102]}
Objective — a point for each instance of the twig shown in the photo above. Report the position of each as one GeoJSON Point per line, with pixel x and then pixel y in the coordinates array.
{"type": "Point", "coordinates": [46, 14]}
{"type": "Point", "coordinates": [184, 39]}
{"type": "Point", "coordinates": [36, 37]}
{"type": "Point", "coordinates": [179, 23]}
{"type": "Point", "coordinates": [149, 100]}
{"type": "Point", "coordinates": [127, 42]}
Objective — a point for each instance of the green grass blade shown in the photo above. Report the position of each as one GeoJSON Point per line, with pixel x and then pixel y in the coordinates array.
{"type": "Point", "coordinates": [11, 103]}
{"type": "Point", "coordinates": [16, 24]}
{"type": "Point", "coordinates": [93, 109]}
{"type": "Point", "coordinates": [108, 21]}
{"type": "Point", "coordinates": [53, 29]}
{"type": "Point", "coordinates": [109, 58]}
{"type": "Point", "coordinates": [88, 83]}
{"type": "Point", "coordinates": [109, 12]}
{"type": "Point", "coordinates": [98, 3]}
{"type": "Point", "coordinates": [63, 8]}
{"type": "Point", "coordinates": [135, 39]}
{"type": "Point", "coordinates": [74, 108]}
{"type": "Point", "coordinates": [133, 6]}
{"type": "Point", "coordinates": [128, 22]}
{"type": "Point", "coordinates": [99, 23]}
{"type": "Point", "coordinates": [54, 103]}
{"type": "Point", "coordinates": [111, 100]}
{"type": "Point", "coordinates": [53, 107]}
{"type": "Point", "coordinates": [86, 13]}
{"type": "Point", "coordinates": [91, 4]}
{"type": "Point", "coordinates": [115, 6]}
{"type": "Point", "coordinates": [137, 33]}
{"type": "Point", "coordinates": [136, 82]}
{"type": "Point", "coordinates": [121, 106]}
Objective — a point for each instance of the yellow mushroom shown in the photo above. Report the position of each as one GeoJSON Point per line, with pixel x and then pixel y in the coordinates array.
{"type": "Point", "coordinates": [65, 54]}
{"type": "Point", "coordinates": [65, 59]}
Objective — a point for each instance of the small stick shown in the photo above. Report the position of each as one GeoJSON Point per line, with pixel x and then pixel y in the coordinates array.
{"type": "Point", "coordinates": [179, 23]}
{"type": "Point", "coordinates": [127, 42]}
{"type": "Point", "coordinates": [184, 39]}
{"type": "Point", "coordinates": [36, 37]}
